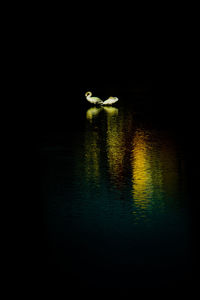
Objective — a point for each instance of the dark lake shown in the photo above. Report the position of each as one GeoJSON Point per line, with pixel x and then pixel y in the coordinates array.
{"type": "Point", "coordinates": [115, 196]}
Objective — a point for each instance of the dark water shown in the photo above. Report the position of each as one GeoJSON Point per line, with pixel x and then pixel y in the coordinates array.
{"type": "Point", "coordinates": [115, 196]}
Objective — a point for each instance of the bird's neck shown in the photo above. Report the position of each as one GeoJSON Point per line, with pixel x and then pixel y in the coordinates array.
{"type": "Point", "coordinates": [89, 96]}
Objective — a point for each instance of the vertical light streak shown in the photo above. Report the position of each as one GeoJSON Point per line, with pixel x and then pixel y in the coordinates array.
{"type": "Point", "coordinates": [92, 157]}
{"type": "Point", "coordinates": [141, 172]}
{"type": "Point", "coordinates": [115, 145]}
{"type": "Point", "coordinates": [155, 173]}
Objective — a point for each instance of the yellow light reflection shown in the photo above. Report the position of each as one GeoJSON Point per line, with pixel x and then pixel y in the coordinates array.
{"type": "Point", "coordinates": [155, 172]}
{"type": "Point", "coordinates": [115, 145]}
{"type": "Point", "coordinates": [142, 172]}
{"type": "Point", "coordinates": [92, 157]}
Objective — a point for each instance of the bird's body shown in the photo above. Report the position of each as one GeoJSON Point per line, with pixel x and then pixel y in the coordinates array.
{"type": "Point", "coordinates": [93, 100]}
{"type": "Point", "coordinates": [110, 101]}
{"type": "Point", "coordinates": [98, 101]}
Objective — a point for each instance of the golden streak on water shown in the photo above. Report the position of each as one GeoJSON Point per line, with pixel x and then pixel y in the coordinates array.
{"type": "Point", "coordinates": [155, 173]}
{"type": "Point", "coordinates": [115, 145]}
{"type": "Point", "coordinates": [142, 173]}
{"type": "Point", "coordinates": [92, 157]}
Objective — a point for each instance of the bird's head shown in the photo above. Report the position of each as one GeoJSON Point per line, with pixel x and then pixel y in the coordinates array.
{"type": "Point", "coordinates": [88, 94]}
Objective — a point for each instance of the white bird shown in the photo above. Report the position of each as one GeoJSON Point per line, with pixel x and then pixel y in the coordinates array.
{"type": "Point", "coordinates": [93, 100]}
{"type": "Point", "coordinates": [110, 101]}
{"type": "Point", "coordinates": [96, 100]}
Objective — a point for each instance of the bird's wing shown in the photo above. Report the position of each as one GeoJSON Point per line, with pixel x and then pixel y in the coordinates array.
{"type": "Point", "coordinates": [110, 100]}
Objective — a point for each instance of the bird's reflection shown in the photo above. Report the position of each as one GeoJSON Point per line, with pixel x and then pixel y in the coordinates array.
{"type": "Point", "coordinates": [93, 112]}
{"type": "Point", "coordinates": [106, 133]}
{"type": "Point", "coordinates": [111, 111]}
{"type": "Point", "coordinates": [110, 130]}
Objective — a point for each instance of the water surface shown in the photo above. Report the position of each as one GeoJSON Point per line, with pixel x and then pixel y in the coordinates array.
{"type": "Point", "coordinates": [115, 201]}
